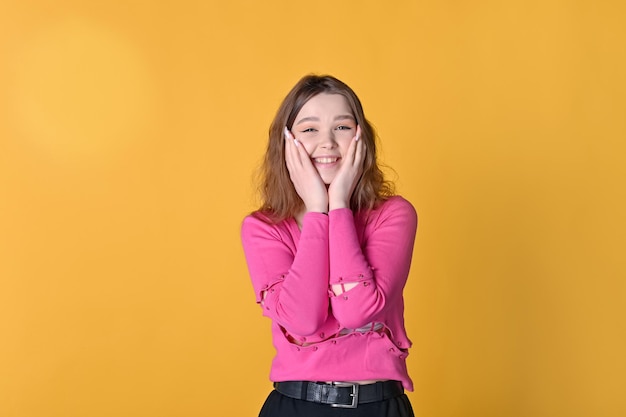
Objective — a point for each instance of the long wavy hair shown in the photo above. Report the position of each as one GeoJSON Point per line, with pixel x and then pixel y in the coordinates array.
{"type": "Point", "coordinates": [278, 194]}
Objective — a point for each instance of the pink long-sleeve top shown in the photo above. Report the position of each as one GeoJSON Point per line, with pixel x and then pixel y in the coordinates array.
{"type": "Point", "coordinates": [319, 336]}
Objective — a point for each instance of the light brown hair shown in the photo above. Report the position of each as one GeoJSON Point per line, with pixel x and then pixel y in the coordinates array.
{"type": "Point", "coordinates": [279, 198]}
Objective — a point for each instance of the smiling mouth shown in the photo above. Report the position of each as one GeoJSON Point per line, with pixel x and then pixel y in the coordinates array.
{"type": "Point", "coordinates": [325, 160]}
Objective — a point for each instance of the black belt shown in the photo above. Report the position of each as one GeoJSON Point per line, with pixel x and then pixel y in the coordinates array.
{"type": "Point", "coordinates": [340, 394]}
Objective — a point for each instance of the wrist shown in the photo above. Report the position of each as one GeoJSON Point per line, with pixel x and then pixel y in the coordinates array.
{"type": "Point", "coordinates": [338, 205]}
{"type": "Point", "coordinates": [317, 209]}
{"type": "Point", "coordinates": [338, 202]}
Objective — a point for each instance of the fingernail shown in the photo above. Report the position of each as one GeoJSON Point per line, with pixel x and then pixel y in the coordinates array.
{"type": "Point", "coordinates": [296, 142]}
{"type": "Point", "coordinates": [287, 134]}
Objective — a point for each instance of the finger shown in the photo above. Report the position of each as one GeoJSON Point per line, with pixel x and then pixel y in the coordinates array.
{"type": "Point", "coordinates": [288, 154]}
{"type": "Point", "coordinates": [351, 153]}
{"type": "Point", "coordinates": [299, 153]}
{"type": "Point", "coordinates": [360, 146]}
{"type": "Point", "coordinates": [291, 154]}
{"type": "Point", "coordinates": [359, 156]}
{"type": "Point", "coordinates": [300, 158]}
{"type": "Point", "coordinates": [302, 154]}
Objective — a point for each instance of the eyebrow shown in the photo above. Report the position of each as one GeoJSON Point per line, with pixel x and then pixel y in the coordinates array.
{"type": "Point", "coordinates": [316, 119]}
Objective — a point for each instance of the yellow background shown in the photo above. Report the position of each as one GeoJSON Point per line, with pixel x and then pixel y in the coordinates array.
{"type": "Point", "coordinates": [129, 136]}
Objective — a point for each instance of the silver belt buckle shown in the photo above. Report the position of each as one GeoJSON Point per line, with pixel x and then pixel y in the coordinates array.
{"type": "Point", "coordinates": [354, 394]}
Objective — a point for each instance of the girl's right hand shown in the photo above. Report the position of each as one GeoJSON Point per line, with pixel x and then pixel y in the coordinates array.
{"type": "Point", "coordinates": [304, 176]}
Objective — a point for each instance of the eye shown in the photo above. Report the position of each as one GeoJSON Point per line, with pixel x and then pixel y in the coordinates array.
{"type": "Point", "coordinates": [343, 127]}
{"type": "Point", "coordinates": [309, 129]}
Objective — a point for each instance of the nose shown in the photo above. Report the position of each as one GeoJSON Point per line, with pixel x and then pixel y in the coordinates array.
{"type": "Point", "coordinates": [328, 141]}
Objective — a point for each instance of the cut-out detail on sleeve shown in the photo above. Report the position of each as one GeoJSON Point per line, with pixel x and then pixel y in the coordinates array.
{"type": "Point", "coordinates": [370, 327]}
{"type": "Point", "coordinates": [383, 261]}
{"type": "Point", "coordinates": [375, 327]}
{"type": "Point", "coordinates": [298, 274]}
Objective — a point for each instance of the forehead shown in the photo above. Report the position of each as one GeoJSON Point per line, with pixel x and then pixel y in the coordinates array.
{"type": "Point", "coordinates": [324, 103]}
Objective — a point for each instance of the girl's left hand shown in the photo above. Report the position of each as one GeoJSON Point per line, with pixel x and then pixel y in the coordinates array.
{"type": "Point", "coordinates": [343, 185]}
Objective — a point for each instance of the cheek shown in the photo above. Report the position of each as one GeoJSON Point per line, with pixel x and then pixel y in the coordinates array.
{"type": "Point", "coordinates": [344, 143]}
{"type": "Point", "coordinates": [307, 147]}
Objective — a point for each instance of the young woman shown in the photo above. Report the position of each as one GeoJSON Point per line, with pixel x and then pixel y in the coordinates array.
{"type": "Point", "coordinates": [329, 253]}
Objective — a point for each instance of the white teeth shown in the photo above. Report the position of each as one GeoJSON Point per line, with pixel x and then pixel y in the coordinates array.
{"type": "Point", "coordinates": [325, 160]}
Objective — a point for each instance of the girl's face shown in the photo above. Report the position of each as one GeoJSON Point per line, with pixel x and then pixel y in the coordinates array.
{"type": "Point", "coordinates": [325, 126]}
